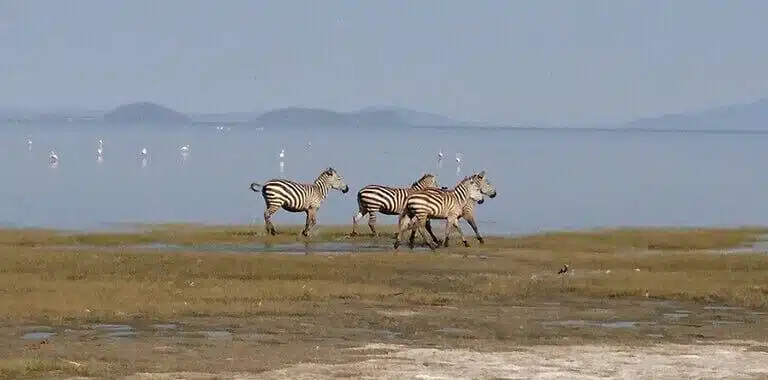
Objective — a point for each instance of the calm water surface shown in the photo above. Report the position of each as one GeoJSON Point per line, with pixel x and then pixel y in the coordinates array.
{"type": "Point", "coordinates": [545, 179]}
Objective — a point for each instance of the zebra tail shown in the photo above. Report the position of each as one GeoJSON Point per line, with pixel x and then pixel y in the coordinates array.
{"type": "Point", "coordinates": [256, 187]}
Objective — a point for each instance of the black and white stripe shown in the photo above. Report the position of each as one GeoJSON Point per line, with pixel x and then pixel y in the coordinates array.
{"type": "Point", "coordinates": [450, 205]}
{"type": "Point", "coordinates": [468, 212]}
{"type": "Point", "coordinates": [298, 197]}
{"type": "Point", "coordinates": [387, 200]}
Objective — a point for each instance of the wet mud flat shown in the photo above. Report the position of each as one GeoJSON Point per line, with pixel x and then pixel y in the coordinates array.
{"type": "Point", "coordinates": [322, 248]}
{"type": "Point", "coordinates": [572, 338]}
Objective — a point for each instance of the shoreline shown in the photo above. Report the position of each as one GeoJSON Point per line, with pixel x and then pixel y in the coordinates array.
{"type": "Point", "coordinates": [116, 311]}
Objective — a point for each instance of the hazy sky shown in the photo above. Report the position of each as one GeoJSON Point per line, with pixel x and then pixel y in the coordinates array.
{"type": "Point", "coordinates": [499, 61]}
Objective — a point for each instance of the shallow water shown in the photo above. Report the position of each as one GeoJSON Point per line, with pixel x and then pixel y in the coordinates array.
{"type": "Point", "coordinates": [326, 248]}
{"type": "Point", "coordinates": [545, 179]}
{"type": "Point", "coordinates": [664, 315]}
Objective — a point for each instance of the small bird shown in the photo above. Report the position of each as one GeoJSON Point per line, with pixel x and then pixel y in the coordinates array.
{"type": "Point", "coordinates": [440, 154]}
{"type": "Point", "coordinates": [563, 269]}
{"type": "Point", "coordinates": [53, 157]}
{"type": "Point", "coordinates": [143, 152]}
{"type": "Point", "coordinates": [185, 149]}
{"type": "Point", "coordinates": [458, 158]}
{"type": "Point", "coordinates": [100, 149]}
{"type": "Point", "coordinates": [282, 153]}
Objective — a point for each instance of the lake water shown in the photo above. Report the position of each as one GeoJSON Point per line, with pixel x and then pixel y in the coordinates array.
{"type": "Point", "coordinates": [545, 179]}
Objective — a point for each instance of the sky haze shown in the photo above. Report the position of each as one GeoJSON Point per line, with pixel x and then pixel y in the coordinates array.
{"type": "Point", "coordinates": [554, 62]}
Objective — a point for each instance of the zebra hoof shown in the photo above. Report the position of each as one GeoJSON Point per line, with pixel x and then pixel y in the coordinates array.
{"type": "Point", "coordinates": [466, 243]}
{"type": "Point", "coordinates": [396, 245]}
{"type": "Point", "coordinates": [481, 240]}
{"type": "Point", "coordinates": [353, 234]}
{"type": "Point", "coordinates": [273, 232]}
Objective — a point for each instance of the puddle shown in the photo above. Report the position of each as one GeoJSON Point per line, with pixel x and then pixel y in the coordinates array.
{"type": "Point", "coordinates": [165, 326]}
{"type": "Point", "coordinates": [725, 323]}
{"type": "Point", "coordinates": [292, 248]}
{"type": "Point", "coordinates": [38, 335]}
{"type": "Point", "coordinates": [265, 338]}
{"type": "Point", "coordinates": [606, 325]}
{"type": "Point", "coordinates": [676, 315]}
{"type": "Point", "coordinates": [723, 308]}
{"type": "Point", "coordinates": [571, 323]}
{"type": "Point", "coordinates": [619, 325]}
{"type": "Point", "coordinates": [116, 331]}
{"type": "Point", "coordinates": [216, 334]}
{"type": "Point", "coordinates": [112, 327]}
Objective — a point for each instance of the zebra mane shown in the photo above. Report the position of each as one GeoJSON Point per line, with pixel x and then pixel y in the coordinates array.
{"type": "Point", "coordinates": [326, 173]}
{"type": "Point", "coordinates": [473, 176]}
{"type": "Point", "coordinates": [423, 177]}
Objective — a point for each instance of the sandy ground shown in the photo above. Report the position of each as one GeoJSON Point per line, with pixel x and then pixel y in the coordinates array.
{"type": "Point", "coordinates": [726, 360]}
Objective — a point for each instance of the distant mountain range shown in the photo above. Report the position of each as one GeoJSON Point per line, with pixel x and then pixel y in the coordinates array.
{"type": "Point", "coordinates": [146, 113]}
{"type": "Point", "coordinates": [738, 117]}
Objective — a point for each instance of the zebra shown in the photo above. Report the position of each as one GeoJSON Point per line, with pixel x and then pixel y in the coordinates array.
{"type": "Point", "coordinates": [441, 204]}
{"type": "Point", "coordinates": [386, 200]}
{"type": "Point", "coordinates": [298, 197]}
{"type": "Point", "coordinates": [468, 212]}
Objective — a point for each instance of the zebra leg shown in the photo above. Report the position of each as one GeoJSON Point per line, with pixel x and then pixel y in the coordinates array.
{"type": "Point", "coordinates": [432, 234]}
{"type": "Point", "coordinates": [360, 214]}
{"type": "Point", "coordinates": [311, 221]}
{"type": "Point", "coordinates": [372, 223]}
{"type": "Point", "coordinates": [455, 223]}
{"type": "Point", "coordinates": [422, 226]}
{"type": "Point", "coordinates": [448, 227]}
{"type": "Point", "coordinates": [471, 220]}
{"type": "Point", "coordinates": [268, 219]}
{"type": "Point", "coordinates": [402, 222]}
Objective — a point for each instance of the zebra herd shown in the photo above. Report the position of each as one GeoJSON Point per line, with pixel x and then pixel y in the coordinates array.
{"type": "Point", "coordinates": [415, 206]}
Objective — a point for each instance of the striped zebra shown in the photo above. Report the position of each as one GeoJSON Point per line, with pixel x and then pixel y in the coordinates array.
{"type": "Point", "coordinates": [441, 204]}
{"type": "Point", "coordinates": [298, 197]}
{"type": "Point", "coordinates": [386, 200]}
{"type": "Point", "coordinates": [468, 213]}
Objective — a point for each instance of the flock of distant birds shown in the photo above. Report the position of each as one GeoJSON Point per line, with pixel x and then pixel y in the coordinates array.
{"type": "Point", "coordinates": [53, 157]}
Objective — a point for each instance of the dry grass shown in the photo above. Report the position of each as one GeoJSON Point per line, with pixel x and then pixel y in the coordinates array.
{"type": "Point", "coordinates": [486, 299]}
{"type": "Point", "coordinates": [62, 286]}
{"type": "Point", "coordinates": [654, 239]}
{"type": "Point", "coordinates": [184, 234]}
{"type": "Point", "coordinates": [602, 240]}
{"type": "Point", "coordinates": [35, 368]}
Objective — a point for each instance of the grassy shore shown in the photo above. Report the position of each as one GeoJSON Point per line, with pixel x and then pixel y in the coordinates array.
{"type": "Point", "coordinates": [121, 284]}
{"type": "Point", "coordinates": [481, 288]}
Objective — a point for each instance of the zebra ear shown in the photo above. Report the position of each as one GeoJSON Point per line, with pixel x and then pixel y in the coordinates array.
{"type": "Point", "coordinates": [481, 174]}
{"type": "Point", "coordinates": [329, 171]}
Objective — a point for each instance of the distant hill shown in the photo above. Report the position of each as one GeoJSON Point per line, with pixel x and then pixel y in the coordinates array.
{"type": "Point", "coordinates": [418, 118]}
{"type": "Point", "coordinates": [144, 113]}
{"type": "Point", "coordinates": [294, 116]}
{"type": "Point", "coordinates": [738, 117]}
{"type": "Point", "coordinates": [148, 113]}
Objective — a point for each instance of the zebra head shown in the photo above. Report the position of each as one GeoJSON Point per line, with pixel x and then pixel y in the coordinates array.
{"type": "Point", "coordinates": [336, 181]}
{"type": "Point", "coordinates": [485, 187]}
{"type": "Point", "coordinates": [473, 189]}
{"type": "Point", "coordinates": [426, 181]}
